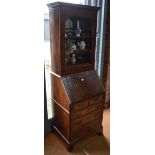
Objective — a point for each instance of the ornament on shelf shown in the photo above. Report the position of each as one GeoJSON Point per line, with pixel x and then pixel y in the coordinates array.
{"type": "Point", "coordinates": [66, 60]}
{"type": "Point", "coordinates": [73, 47]}
{"type": "Point", "coordinates": [82, 45]}
{"type": "Point", "coordinates": [68, 23]}
{"type": "Point", "coordinates": [73, 60]}
{"type": "Point", "coordinates": [70, 45]}
{"type": "Point", "coordinates": [68, 27]}
{"type": "Point", "coordinates": [77, 30]}
{"type": "Point", "coordinates": [67, 57]}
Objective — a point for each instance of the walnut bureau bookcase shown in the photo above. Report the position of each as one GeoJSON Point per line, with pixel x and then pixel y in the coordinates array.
{"type": "Point", "coordinates": [77, 91]}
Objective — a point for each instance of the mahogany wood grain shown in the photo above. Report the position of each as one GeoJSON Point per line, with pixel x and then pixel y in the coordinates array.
{"type": "Point", "coordinates": [87, 110]}
{"type": "Point", "coordinates": [61, 121]}
{"type": "Point", "coordinates": [82, 85]}
{"type": "Point", "coordinates": [70, 116]}
{"type": "Point", "coordinates": [87, 118]}
{"type": "Point", "coordinates": [80, 105]}
{"type": "Point", "coordinates": [96, 99]}
{"type": "Point", "coordinates": [106, 65]}
{"type": "Point", "coordinates": [86, 130]}
{"type": "Point", "coordinates": [76, 91]}
{"type": "Point", "coordinates": [58, 91]}
{"type": "Point", "coordinates": [55, 40]}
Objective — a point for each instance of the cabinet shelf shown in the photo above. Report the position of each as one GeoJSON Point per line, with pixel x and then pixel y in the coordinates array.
{"type": "Point", "coordinates": [78, 65]}
{"type": "Point", "coordinates": [78, 51]}
{"type": "Point", "coordinates": [78, 38]}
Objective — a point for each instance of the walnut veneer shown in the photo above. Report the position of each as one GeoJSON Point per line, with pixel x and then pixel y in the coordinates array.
{"type": "Point", "coordinates": [77, 91]}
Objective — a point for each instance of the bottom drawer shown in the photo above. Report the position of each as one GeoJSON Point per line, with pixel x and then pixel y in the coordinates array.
{"type": "Point", "coordinates": [86, 130]}
{"type": "Point", "coordinates": [95, 115]}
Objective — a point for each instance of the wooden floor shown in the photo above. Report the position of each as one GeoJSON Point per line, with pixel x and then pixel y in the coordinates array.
{"type": "Point", "coordinates": [93, 145]}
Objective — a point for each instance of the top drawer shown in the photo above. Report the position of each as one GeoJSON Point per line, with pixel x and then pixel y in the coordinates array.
{"type": "Point", "coordinates": [80, 105]}
{"type": "Point", "coordinates": [92, 101]}
{"type": "Point", "coordinates": [95, 100]}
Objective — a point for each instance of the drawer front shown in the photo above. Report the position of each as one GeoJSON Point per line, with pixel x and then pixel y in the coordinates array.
{"type": "Point", "coordinates": [96, 99]}
{"type": "Point", "coordinates": [80, 105]}
{"type": "Point", "coordinates": [90, 128]}
{"type": "Point", "coordinates": [87, 110]}
{"type": "Point", "coordinates": [87, 118]}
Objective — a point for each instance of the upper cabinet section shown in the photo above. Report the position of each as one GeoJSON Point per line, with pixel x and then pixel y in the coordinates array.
{"type": "Point", "coordinates": [72, 37]}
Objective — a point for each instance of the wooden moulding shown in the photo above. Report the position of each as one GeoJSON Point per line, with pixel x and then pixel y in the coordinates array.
{"type": "Point", "coordinates": [62, 4]}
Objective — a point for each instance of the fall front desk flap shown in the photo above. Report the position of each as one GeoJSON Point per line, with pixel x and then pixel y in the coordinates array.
{"type": "Point", "coordinates": [82, 85]}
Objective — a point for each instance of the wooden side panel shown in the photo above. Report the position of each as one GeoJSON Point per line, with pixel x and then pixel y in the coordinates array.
{"type": "Point", "coordinates": [55, 40]}
{"type": "Point", "coordinates": [58, 92]}
{"type": "Point", "coordinates": [61, 121]}
{"type": "Point", "coordinates": [106, 65]}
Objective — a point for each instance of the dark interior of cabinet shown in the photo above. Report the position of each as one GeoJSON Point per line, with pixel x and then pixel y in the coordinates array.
{"type": "Point", "coordinates": [82, 56]}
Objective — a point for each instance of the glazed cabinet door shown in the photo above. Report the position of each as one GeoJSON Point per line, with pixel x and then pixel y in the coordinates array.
{"type": "Point", "coordinates": [77, 39]}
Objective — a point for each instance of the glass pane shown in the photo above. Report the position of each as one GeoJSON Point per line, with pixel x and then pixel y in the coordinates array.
{"type": "Point", "coordinates": [78, 40]}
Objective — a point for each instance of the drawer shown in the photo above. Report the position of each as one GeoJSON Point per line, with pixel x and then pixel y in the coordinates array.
{"type": "Point", "coordinates": [87, 110]}
{"type": "Point", "coordinates": [87, 118]}
{"type": "Point", "coordinates": [80, 105]}
{"type": "Point", "coordinates": [96, 99]}
{"type": "Point", "coordinates": [87, 129]}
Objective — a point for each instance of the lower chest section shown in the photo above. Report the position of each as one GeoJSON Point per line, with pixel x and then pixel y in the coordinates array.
{"type": "Point", "coordinates": [86, 117]}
